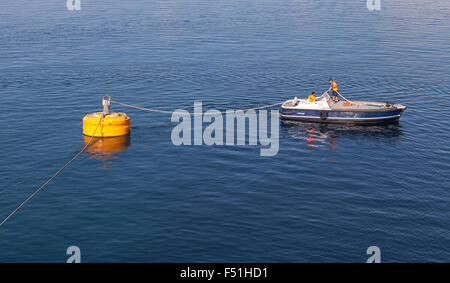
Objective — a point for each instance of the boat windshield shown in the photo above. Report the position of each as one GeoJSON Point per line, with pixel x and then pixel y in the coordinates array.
{"type": "Point", "coordinates": [326, 97]}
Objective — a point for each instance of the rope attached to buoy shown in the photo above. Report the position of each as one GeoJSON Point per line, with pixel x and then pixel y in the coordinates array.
{"type": "Point", "coordinates": [50, 179]}
{"type": "Point", "coordinates": [106, 112]}
{"type": "Point", "coordinates": [191, 113]}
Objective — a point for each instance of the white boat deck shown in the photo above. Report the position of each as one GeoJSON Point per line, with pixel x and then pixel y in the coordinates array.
{"type": "Point", "coordinates": [356, 105]}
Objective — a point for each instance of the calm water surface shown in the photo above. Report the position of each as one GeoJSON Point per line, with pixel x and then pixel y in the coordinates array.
{"type": "Point", "coordinates": [331, 192]}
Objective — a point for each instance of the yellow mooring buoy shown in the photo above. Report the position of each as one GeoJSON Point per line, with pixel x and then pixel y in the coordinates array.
{"type": "Point", "coordinates": [112, 124]}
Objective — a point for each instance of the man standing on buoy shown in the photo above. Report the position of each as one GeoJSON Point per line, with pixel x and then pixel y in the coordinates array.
{"type": "Point", "coordinates": [334, 87]}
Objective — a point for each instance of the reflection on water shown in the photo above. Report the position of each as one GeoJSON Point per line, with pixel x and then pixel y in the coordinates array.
{"type": "Point", "coordinates": [319, 135]}
{"type": "Point", "coordinates": [105, 149]}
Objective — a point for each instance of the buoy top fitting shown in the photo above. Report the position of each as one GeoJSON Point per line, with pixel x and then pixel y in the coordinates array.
{"type": "Point", "coordinates": [110, 124]}
{"type": "Point", "coordinates": [106, 101]}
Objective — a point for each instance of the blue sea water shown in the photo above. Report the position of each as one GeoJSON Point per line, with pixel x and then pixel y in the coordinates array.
{"type": "Point", "coordinates": [330, 193]}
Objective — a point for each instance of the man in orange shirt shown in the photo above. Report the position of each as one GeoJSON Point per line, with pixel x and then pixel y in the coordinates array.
{"type": "Point", "coordinates": [312, 97]}
{"type": "Point", "coordinates": [334, 87]}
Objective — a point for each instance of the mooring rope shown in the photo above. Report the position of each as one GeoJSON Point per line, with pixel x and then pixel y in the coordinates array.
{"type": "Point", "coordinates": [51, 178]}
{"type": "Point", "coordinates": [343, 97]}
{"type": "Point", "coordinates": [191, 113]}
{"type": "Point", "coordinates": [90, 140]}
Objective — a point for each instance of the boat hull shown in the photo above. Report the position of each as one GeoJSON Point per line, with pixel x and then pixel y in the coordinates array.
{"type": "Point", "coordinates": [330, 116]}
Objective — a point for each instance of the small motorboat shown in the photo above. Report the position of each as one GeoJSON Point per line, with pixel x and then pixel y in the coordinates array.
{"type": "Point", "coordinates": [324, 110]}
